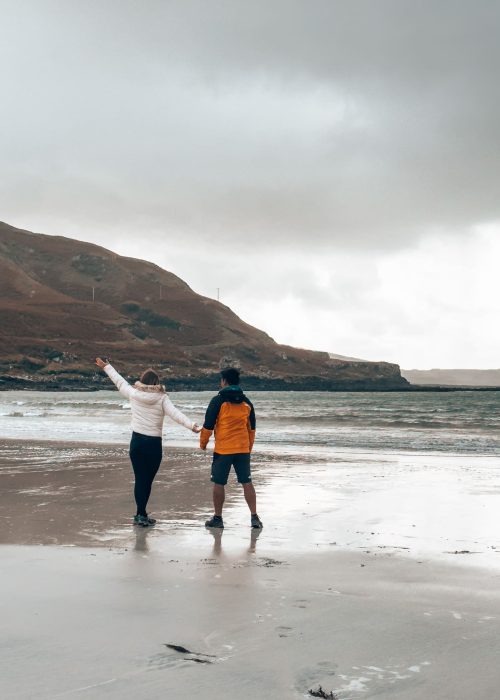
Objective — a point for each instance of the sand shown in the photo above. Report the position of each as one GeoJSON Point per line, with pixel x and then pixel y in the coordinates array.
{"type": "Point", "coordinates": [324, 595]}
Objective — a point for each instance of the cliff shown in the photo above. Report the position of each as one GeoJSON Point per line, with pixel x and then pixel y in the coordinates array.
{"type": "Point", "coordinates": [62, 302]}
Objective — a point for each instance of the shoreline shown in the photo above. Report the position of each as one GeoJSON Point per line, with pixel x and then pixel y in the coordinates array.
{"type": "Point", "coordinates": [357, 583]}
{"type": "Point", "coordinates": [437, 506]}
{"type": "Point", "coordinates": [272, 385]}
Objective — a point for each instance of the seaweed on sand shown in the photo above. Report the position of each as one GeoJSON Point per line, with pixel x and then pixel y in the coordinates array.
{"type": "Point", "coordinates": [320, 693]}
{"type": "Point", "coordinates": [195, 654]}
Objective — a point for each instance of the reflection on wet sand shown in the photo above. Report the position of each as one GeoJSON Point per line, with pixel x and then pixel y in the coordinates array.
{"type": "Point", "coordinates": [217, 535]}
{"type": "Point", "coordinates": [141, 539]}
{"type": "Point", "coordinates": [84, 496]}
{"type": "Point", "coordinates": [254, 536]}
{"type": "Point", "coordinates": [410, 504]}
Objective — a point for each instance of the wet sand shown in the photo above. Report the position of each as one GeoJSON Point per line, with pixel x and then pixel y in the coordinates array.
{"type": "Point", "coordinates": [324, 595]}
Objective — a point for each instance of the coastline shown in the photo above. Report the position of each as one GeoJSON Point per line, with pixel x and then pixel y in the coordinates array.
{"type": "Point", "coordinates": [23, 383]}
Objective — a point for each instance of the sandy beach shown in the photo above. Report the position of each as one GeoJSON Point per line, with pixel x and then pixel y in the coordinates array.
{"type": "Point", "coordinates": [357, 583]}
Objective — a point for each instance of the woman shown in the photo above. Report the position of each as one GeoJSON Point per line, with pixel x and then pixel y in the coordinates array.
{"type": "Point", "coordinates": [150, 404]}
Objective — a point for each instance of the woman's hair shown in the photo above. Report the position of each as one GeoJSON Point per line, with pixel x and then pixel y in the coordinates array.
{"type": "Point", "coordinates": [149, 377]}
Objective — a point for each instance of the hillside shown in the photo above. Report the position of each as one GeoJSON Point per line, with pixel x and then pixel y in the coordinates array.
{"type": "Point", "coordinates": [62, 302]}
{"type": "Point", "coordinates": [453, 377]}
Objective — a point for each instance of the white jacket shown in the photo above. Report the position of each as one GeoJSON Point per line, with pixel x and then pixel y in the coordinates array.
{"type": "Point", "coordinates": [149, 406]}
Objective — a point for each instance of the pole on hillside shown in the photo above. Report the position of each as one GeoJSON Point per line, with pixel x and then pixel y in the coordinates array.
{"type": "Point", "coordinates": [93, 293]}
{"type": "Point", "coordinates": [218, 293]}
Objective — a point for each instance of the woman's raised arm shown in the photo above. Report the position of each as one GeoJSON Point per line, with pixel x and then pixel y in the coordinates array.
{"type": "Point", "coordinates": [121, 384]}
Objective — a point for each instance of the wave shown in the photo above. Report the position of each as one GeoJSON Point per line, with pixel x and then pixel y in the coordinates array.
{"type": "Point", "coordinates": [439, 422]}
{"type": "Point", "coordinates": [360, 421]}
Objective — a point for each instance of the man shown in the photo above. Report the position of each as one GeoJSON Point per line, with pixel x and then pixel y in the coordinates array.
{"type": "Point", "coordinates": [232, 416]}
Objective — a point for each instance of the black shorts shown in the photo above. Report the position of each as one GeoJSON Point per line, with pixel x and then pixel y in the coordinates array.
{"type": "Point", "coordinates": [222, 464]}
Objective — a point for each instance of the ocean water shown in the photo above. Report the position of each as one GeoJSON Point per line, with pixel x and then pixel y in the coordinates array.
{"type": "Point", "coordinates": [453, 423]}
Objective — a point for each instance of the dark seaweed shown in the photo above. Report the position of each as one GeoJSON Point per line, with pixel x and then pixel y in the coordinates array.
{"type": "Point", "coordinates": [320, 693]}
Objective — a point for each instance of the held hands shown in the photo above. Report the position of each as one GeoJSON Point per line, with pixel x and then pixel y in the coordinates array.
{"type": "Point", "coordinates": [101, 363]}
{"type": "Point", "coordinates": [197, 429]}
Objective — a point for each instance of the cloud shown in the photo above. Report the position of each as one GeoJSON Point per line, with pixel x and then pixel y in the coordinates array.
{"type": "Point", "coordinates": [432, 306]}
{"type": "Point", "coordinates": [330, 166]}
{"type": "Point", "coordinates": [358, 125]}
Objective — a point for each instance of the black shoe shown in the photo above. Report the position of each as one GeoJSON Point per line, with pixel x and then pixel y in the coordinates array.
{"type": "Point", "coordinates": [143, 520]}
{"type": "Point", "coordinates": [216, 521]}
{"type": "Point", "coordinates": [256, 522]}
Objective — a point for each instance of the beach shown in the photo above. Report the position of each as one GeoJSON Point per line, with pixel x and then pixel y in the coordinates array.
{"type": "Point", "coordinates": [375, 576]}
{"type": "Point", "coordinates": [95, 623]}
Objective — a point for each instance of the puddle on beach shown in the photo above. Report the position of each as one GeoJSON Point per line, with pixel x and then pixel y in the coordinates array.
{"type": "Point", "coordinates": [417, 505]}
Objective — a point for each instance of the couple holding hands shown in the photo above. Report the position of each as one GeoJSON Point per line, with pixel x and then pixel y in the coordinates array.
{"type": "Point", "coordinates": [230, 414]}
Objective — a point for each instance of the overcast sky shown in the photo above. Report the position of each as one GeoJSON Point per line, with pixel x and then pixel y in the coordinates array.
{"type": "Point", "coordinates": [332, 167]}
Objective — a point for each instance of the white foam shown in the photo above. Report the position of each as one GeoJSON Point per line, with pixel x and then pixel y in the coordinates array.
{"type": "Point", "coordinates": [356, 684]}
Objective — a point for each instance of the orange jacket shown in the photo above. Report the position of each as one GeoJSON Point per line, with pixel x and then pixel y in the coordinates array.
{"type": "Point", "coordinates": [232, 416]}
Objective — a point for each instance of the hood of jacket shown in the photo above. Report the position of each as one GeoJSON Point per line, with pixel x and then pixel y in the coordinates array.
{"type": "Point", "coordinates": [149, 393]}
{"type": "Point", "coordinates": [232, 394]}
{"type": "Point", "coordinates": [150, 388]}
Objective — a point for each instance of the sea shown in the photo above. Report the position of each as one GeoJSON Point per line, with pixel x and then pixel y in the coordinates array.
{"type": "Point", "coordinates": [459, 422]}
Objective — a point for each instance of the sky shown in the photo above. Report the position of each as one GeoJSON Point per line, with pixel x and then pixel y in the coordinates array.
{"type": "Point", "coordinates": [330, 167]}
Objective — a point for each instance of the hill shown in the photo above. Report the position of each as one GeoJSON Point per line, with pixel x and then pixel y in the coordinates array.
{"type": "Point", "coordinates": [62, 302]}
{"type": "Point", "coordinates": [453, 377]}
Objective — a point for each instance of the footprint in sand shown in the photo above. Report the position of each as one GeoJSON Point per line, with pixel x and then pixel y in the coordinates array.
{"type": "Point", "coordinates": [161, 661]}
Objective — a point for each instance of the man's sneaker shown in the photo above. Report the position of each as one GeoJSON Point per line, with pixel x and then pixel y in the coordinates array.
{"type": "Point", "coordinates": [256, 522]}
{"type": "Point", "coordinates": [216, 521]}
{"type": "Point", "coordinates": [142, 521]}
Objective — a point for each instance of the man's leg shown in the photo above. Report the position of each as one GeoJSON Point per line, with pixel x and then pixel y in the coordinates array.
{"type": "Point", "coordinates": [243, 472]}
{"type": "Point", "coordinates": [250, 497]}
{"type": "Point", "coordinates": [219, 495]}
{"type": "Point", "coordinates": [221, 465]}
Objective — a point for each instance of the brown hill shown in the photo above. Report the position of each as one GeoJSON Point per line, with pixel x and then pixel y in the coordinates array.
{"type": "Point", "coordinates": [62, 302]}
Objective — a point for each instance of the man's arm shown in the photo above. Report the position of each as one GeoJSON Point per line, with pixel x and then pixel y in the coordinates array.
{"type": "Point", "coordinates": [210, 420]}
{"type": "Point", "coordinates": [251, 425]}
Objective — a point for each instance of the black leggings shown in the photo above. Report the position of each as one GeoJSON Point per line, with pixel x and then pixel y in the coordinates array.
{"type": "Point", "coordinates": [145, 455]}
